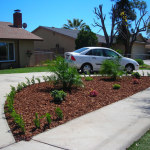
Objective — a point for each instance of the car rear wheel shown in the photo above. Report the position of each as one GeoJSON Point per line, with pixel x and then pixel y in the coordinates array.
{"type": "Point", "coordinates": [86, 68]}
{"type": "Point", "coordinates": [129, 68]}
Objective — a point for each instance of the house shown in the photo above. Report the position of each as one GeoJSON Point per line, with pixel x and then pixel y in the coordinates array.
{"type": "Point", "coordinates": [59, 40]}
{"type": "Point", "coordinates": [16, 44]}
{"type": "Point", "coordinates": [139, 48]}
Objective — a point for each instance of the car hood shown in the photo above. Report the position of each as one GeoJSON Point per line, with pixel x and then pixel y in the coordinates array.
{"type": "Point", "coordinates": [129, 60]}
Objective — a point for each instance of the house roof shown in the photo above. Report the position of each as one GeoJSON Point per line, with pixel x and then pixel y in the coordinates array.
{"type": "Point", "coordinates": [70, 33]}
{"type": "Point", "coordinates": [8, 31]}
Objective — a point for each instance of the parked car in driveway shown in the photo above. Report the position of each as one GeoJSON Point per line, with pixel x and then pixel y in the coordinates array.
{"type": "Point", "coordinates": [91, 58]}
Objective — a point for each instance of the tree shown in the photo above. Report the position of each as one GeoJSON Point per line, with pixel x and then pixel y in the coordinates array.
{"type": "Point", "coordinates": [75, 25]}
{"type": "Point", "coordinates": [121, 25]}
{"type": "Point", "coordinates": [148, 30]}
{"type": "Point", "coordinates": [86, 38]}
{"type": "Point", "coordinates": [128, 31]}
{"type": "Point", "coordinates": [100, 16]}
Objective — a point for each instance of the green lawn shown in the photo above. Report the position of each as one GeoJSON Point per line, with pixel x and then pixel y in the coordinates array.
{"type": "Point", "coordinates": [145, 67]}
{"type": "Point", "coordinates": [25, 70]}
{"type": "Point", "coordinates": [142, 144]}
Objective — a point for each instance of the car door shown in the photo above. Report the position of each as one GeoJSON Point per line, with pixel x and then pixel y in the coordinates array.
{"type": "Point", "coordinates": [96, 58]}
{"type": "Point", "coordinates": [109, 54]}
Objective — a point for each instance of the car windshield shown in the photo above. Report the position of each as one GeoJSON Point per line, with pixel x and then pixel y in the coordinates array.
{"type": "Point", "coordinates": [80, 50]}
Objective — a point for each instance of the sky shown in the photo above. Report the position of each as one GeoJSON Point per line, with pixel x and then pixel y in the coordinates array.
{"type": "Point", "coordinates": [54, 13]}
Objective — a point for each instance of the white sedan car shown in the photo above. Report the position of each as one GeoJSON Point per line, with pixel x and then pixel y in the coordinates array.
{"type": "Point", "coordinates": [91, 58]}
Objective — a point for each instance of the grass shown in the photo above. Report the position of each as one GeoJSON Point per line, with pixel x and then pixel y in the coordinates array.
{"type": "Point", "coordinates": [142, 144]}
{"type": "Point", "coordinates": [145, 67]}
{"type": "Point", "coordinates": [25, 70]}
{"type": "Point", "coordinates": [45, 69]}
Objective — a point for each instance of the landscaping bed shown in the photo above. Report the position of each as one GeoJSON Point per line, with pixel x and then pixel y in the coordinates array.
{"type": "Point", "coordinates": [36, 98]}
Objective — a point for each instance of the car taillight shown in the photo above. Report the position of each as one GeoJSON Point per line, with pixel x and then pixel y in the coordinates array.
{"type": "Point", "coordinates": [72, 58]}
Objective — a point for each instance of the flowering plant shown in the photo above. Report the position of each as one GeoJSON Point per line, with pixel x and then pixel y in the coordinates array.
{"type": "Point", "coordinates": [93, 93]}
{"type": "Point", "coordinates": [135, 81]}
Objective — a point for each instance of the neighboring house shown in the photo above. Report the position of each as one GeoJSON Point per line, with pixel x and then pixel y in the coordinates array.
{"type": "Point", "coordinates": [139, 49]}
{"type": "Point", "coordinates": [59, 40]}
{"type": "Point", "coordinates": [16, 44]}
{"type": "Point", "coordinates": [147, 46]}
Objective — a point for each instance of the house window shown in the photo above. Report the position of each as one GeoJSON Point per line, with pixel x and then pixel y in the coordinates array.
{"type": "Point", "coordinates": [7, 52]}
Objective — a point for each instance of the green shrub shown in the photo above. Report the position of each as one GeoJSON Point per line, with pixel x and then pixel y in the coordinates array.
{"type": "Point", "coordinates": [18, 120]}
{"type": "Point", "coordinates": [59, 113]}
{"type": "Point", "coordinates": [111, 68]}
{"type": "Point", "coordinates": [58, 95]}
{"type": "Point", "coordinates": [10, 99]}
{"type": "Point", "coordinates": [10, 104]}
{"type": "Point", "coordinates": [88, 78]}
{"type": "Point", "coordinates": [28, 81]}
{"type": "Point", "coordinates": [38, 79]}
{"type": "Point", "coordinates": [45, 78]}
{"type": "Point", "coordinates": [136, 75]}
{"type": "Point", "coordinates": [116, 86]}
{"type": "Point", "coordinates": [37, 121]}
{"type": "Point", "coordinates": [65, 75]}
{"type": "Point", "coordinates": [19, 87]}
{"type": "Point", "coordinates": [86, 38]}
{"type": "Point", "coordinates": [48, 118]}
{"type": "Point", "coordinates": [33, 80]}
{"type": "Point", "coordinates": [148, 74]}
{"type": "Point", "coordinates": [140, 61]}
{"type": "Point", "coordinates": [24, 84]}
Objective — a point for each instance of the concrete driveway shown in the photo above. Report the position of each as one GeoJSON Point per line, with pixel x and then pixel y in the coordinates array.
{"type": "Point", "coordinates": [147, 61]}
{"type": "Point", "coordinates": [113, 127]}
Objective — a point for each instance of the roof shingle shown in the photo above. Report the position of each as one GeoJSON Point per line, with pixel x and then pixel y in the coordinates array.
{"type": "Point", "coordinates": [71, 33]}
{"type": "Point", "coordinates": [8, 31]}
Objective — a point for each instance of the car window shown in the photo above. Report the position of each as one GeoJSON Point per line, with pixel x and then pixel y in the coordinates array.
{"type": "Point", "coordinates": [109, 53]}
{"type": "Point", "coordinates": [80, 50]}
{"type": "Point", "coordinates": [95, 52]}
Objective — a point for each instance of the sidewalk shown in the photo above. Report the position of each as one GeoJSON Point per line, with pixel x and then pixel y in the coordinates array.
{"type": "Point", "coordinates": [114, 127]}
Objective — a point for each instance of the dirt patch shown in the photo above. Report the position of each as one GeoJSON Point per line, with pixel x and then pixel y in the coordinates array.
{"type": "Point", "coordinates": [37, 98]}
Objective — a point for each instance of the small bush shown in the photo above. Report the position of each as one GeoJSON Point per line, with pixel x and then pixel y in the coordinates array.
{"type": "Point", "coordinates": [116, 86]}
{"type": "Point", "coordinates": [66, 76]}
{"type": "Point", "coordinates": [58, 95]}
{"type": "Point", "coordinates": [148, 74]}
{"type": "Point", "coordinates": [45, 78]}
{"type": "Point", "coordinates": [59, 113]}
{"type": "Point", "coordinates": [18, 120]}
{"type": "Point", "coordinates": [38, 79]}
{"type": "Point", "coordinates": [135, 81]}
{"type": "Point", "coordinates": [10, 99]}
{"type": "Point", "coordinates": [136, 75]}
{"type": "Point", "coordinates": [140, 61]}
{"type": "Point", "coordinates": [19, 87]}
{"type": "Point", "coordinates": [10, 104]}
{"type": "Point", "coordinates": [24, 84]}
{"type": "Point", "coordinates": [33, 80]}
{"type": "Point", "coordinates": [28, 81]}
{"type": "Point", "coordinates": [93, 93]}
{"type": "Point", "coordinates": [37, 121]}
{"type": "Point", "coordinates": [48, 118]}
{"type": "Point", "coordinates": [111, 68]}
{"type": "Point", "coordinates": [88, 78]}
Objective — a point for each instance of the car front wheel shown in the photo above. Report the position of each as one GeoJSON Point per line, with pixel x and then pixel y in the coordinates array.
{"type": "Point", "coordinates": [129, 68]}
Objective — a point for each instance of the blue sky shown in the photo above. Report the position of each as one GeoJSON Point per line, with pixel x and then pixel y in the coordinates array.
{"type": "Point", "coordinates": [54, 13]}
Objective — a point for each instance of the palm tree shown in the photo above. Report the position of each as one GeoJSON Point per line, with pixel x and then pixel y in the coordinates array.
{"type": "Point", "coordinates": [75, 25]}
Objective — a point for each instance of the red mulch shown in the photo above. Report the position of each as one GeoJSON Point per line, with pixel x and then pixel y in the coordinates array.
{"type": "Point", "coordinates": [37, 98]}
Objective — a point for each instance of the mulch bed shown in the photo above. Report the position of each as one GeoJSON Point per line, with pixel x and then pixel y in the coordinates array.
{"type": "Point", "coordinates": [37, 98]}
